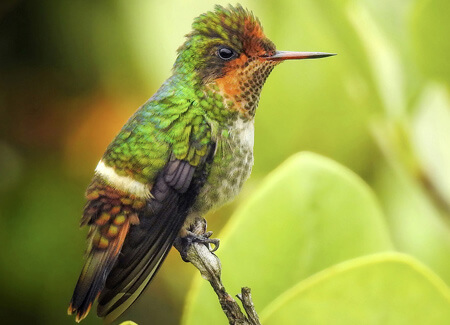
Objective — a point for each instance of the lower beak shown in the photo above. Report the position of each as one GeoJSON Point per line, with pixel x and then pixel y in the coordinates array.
{"type": "Point", "coordinates": [286, 55]}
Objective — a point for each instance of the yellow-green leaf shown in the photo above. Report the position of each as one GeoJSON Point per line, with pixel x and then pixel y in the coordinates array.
{"type": "Point", "coordinates": [381, 289]}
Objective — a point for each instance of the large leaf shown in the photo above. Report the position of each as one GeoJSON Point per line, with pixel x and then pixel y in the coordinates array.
{"type": "Point", "coordinates": [309, 214]}
{"type": "Point", "coordinates": [381, 289]}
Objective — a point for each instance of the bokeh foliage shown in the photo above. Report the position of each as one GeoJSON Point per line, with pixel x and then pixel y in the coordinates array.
{"type": "Point", "coordinates": [72, 72]}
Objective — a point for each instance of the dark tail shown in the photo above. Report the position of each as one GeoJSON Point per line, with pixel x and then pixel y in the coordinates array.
{"type": "Point", "coordinates": [95, 271]}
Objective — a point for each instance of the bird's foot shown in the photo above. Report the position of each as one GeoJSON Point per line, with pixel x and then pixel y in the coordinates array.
{"type": "Point", "coordinates": [182, 244]}
{"type": "Point", "coordinates": [196, 234]}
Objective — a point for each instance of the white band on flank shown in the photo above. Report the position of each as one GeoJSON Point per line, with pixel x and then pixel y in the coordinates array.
{"type": "Point", "coordinates": [124, 183]}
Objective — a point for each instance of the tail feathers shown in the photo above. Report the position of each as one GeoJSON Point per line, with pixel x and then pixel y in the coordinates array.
{"type": "Point", "coordinates": [99, 263]}
{"type": "Point", "coordinates": [118, 296]}
{"type": "Point", "coordinates": [90, 283]}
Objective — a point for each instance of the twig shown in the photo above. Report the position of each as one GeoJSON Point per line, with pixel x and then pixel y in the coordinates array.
{"type": "Point", "coordinates": [246, 298]}
{"type": "Point", "coordinates": [210, 268]}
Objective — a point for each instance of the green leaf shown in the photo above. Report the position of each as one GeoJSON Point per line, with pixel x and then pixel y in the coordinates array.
{"type": "Point", "coordinates": [309, 214]}
{"type": "Point", "coordinates": [381, 289]}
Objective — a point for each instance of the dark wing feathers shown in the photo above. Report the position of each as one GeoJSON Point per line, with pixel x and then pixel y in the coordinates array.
{"type": "Point", "coordinates": [142, 239]}
{"type": "Point", "coordinates": [179, 174]}
{"type": "Point", "coordinates": [148, 243]}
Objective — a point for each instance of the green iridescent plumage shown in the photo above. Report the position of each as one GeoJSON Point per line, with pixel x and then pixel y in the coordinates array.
{"type": "Point", "coordinates": [170, 123]}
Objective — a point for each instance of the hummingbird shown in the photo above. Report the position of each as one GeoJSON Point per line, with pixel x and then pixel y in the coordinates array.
{"type": "Point", "coordinates": [187, 150]}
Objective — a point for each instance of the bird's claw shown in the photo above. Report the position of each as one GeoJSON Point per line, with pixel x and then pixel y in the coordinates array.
{"type": "Point", "coordinates": [205, 239]}
{"type": "Point", "coordinates": [182, 244]}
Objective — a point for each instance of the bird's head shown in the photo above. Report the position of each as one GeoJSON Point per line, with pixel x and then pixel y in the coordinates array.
{"type": "Point", "coordinates": [228, 53]}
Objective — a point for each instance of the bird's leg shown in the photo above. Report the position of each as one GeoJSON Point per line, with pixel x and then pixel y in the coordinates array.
{"type": "Point", "coordinates": [195, 232]}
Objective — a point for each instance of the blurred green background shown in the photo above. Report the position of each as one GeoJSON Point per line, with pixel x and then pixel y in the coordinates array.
{"type": "Point", "coordinates": [72, 72]}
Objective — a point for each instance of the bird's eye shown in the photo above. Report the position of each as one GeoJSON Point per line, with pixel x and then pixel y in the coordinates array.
{"type": "Point", "coordinates": [226, 54]}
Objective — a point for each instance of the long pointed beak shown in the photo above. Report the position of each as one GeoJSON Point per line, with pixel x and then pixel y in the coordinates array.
{"type": "Point", "coordinates": [286, 55]}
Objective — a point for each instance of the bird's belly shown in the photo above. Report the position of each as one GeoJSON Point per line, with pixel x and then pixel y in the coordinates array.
{"type": "Point", "coordinates": [232, 166]}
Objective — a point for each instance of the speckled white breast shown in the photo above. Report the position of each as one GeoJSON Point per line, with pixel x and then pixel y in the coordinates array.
{"type": "Point", "coordinates": [232, 166]}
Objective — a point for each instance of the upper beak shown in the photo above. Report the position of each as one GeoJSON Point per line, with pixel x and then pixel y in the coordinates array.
{"type": "Point", "coordinates": [286, 55]}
